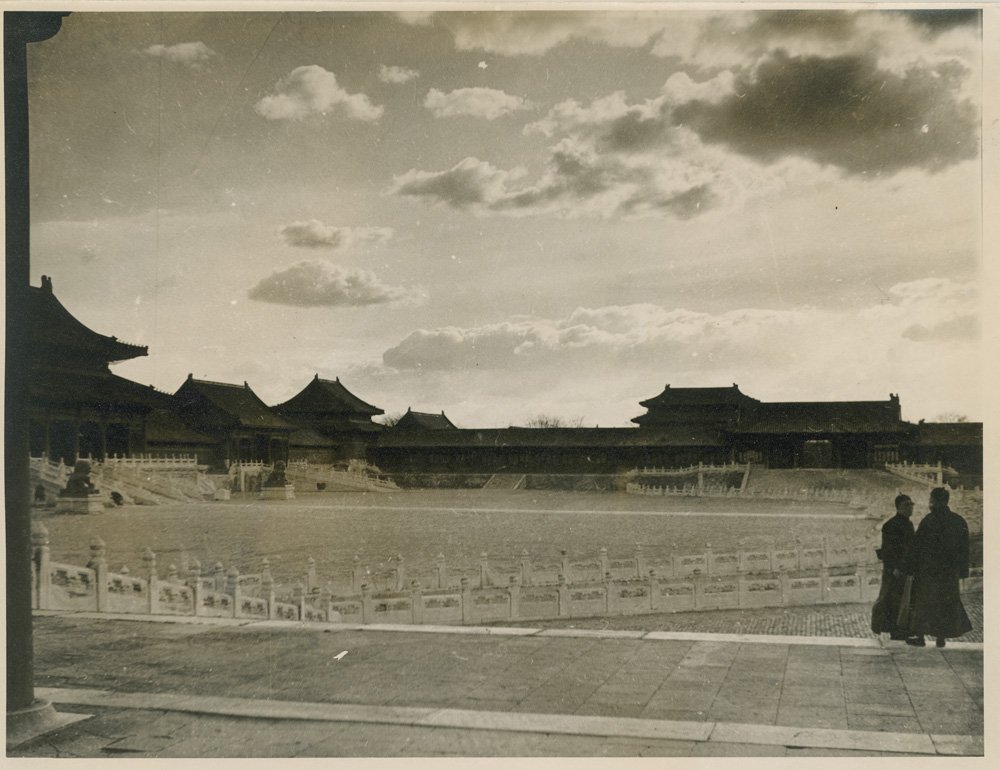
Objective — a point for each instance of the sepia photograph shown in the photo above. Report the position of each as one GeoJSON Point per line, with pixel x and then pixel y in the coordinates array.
{"type": "Point", "coordinates": [403, 380]}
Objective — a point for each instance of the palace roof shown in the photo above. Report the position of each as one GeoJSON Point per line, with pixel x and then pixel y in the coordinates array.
{"type": "Point", "coordinates": [100, 390]}
{"type": "Point", "coordinates": [307, 437]}
{"type": "Point", "coordinates": [238, 402]}
{"type": "Point", "coordinates": [321, 396]}
{"type": "Point", "coordinates": [424, 421]}
{"type": "Point", "coordinates": [52, 326]}
{"type": "Point", "coordinates": [165, 427]}
{"type": "Point", "coordinates": [677, 435]}
{"type": "Point", "coordinates": [698, 396]}
{"type": "Point", "coordinates": [821, 417]}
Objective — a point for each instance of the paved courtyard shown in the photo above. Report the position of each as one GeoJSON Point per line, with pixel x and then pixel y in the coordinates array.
{"type": "Point", "coordinates": [238, 688]}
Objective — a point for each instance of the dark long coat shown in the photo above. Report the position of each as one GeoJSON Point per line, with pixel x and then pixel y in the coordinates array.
{"type": "Point", "coordinates": [897, 535]}
{"type": "Point", "coordinates": [938, 560]}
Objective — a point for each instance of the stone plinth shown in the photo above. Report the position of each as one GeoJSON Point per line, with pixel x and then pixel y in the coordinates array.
{"type": "Point", "coordinates": [287, 492]}
{"type": "Point", "coordinates": [37, 719]}
{"type": "Point", "coordinates": [221, 494]}
{"type": "Point", "coordinates": [81, 504]}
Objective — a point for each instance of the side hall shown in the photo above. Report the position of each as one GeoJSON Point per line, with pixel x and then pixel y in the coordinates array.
{"type": "Point", "coordinates": [78, 407]}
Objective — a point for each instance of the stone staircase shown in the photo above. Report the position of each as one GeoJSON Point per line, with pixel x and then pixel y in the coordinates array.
{"type": "Point", "coordinates": [49, 476]}
{"type": "Point", "coordinates": [307, 477]}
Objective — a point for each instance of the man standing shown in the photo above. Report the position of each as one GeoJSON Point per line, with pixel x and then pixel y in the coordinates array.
{"type": "Point", "coordinates": [897, 535]}
{"type": "Point", "coordinates": [938, 560]}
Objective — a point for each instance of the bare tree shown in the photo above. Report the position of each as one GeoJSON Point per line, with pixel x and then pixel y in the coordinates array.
{"type": "Point", "coordinates": [951, 417]}
{"type": "Point", "coordinates": [548, 421]}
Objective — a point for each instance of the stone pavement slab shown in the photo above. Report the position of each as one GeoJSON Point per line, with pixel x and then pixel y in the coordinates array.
{"type": "Point", "coordinates": [217, 726]}
{"type": "Point", "coordinates": [294, 673]}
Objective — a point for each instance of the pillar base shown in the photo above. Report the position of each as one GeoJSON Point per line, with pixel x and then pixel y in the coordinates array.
{"type": "Point", "coordinates": [37, 719]}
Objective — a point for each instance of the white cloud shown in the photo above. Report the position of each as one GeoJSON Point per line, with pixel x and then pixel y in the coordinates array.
{"type": "Point", "coordinates": [314, 234]}
{"type": "Point", "coordinates": [317, 283]}
{"type": "Point", "coordinates": [188, 54]}
{"type": "Point", "coordinates": [488, 103]}
{"type": "Point", "coordinates": [806, 353]}
{"type": "Point", "coordinates": [535, 32]}
{"type": "Point", "coordinates": [312, 90]}
{"type": "Point", "coordinates": [394, 74]}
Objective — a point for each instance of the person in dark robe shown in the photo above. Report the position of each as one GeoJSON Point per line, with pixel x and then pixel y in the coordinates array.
{"type": "Point", "coordinates": [897, 535]}
{"type": "Point", "coordinates": [938, 560]}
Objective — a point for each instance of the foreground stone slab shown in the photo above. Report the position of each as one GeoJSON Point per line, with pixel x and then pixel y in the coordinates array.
{"type": "Point", "coordinates": [829, 641]}
{"type": "Point", "coordinates": [824, 738]}
{"type": "Point", "coordinates": [593, 633]}
{"type": "Point", "coordinates": [704, 733]}
{"type": "Point", "coordinates": [571, 724]}
{"type": "Point", "coordinates": [959, 745]}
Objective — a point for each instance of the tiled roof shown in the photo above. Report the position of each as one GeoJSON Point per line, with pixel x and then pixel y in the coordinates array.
{"type": "Point", "coordinates": [99, 390]}
{"type": "Point", "coordinates": [551, 437]}
{"type": "Point", "coordinates": [327, 396]}
{"type": "Point", "coordinates": [52, 326]}
{"type": "Point", "coordinates": [823, 417]}
{"type": "Point", "coordinates": [950, 433]}
{"type": "Point", "coordinates": [700, 396]}
{"type": "Point", "coordinates": [237, 401]}
{"type": "Point", "coordinates": [423, 421]}
{"type": "Point", "coordinates": [164, 427]}
{"type": "Point", "coordinates": [307, 437]}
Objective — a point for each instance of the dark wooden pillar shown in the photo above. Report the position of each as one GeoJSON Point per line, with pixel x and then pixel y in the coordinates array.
{"type": "Point", "coordinates": [20, 28]}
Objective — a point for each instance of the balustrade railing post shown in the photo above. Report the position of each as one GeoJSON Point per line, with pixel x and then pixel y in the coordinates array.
{"type": "Point", "coordinates": [311, 581]}
{"type": "Point", "coordinates": [324, 603]}
{"type": "Point", "coordinates": [40, 568]}
{"type": "Point", "coordinates": [357, 575]}
{"type": "Point", "coordinates": [699, 590]}
{"type": "Point", "coordinates": [564, 562]}
{"type": "Point", "coordinates": [197, 590]}
{"type": "Point", "coordinates": [219, 578]}
{"type": "Point", "coordinates": [267, 589]}
{"type": "Point", "coordinates": [442, 572]}
{"type": "Point", "coordinates": [708, 558]}
{"type": "Point", "coordinates": [514, 590]}
{"type": "Point", "coordinates": [609, 603]}
{"type": "Point", "coordinates": [564, 600]}
{"type": "Point", "coordinates": [233, 589]}
{"type": "Point", "coordinates": [399, 582]}
{"type": "Point", "coordinates": [367, 610]}
{"type": "Point", "coordinates": [603, 559]}
{"type": "Point", "coordinates": [416, 602]}
{"type": "Point", "coordinates": [152, 581]}
{"type": "Point", "coordinates": [824, 584]}
{"type": "Point", "coordinates": [100, 567]}
{"type": "Point", "coordinates": [299, 593]}
{"type": "Point", "coordinates": [640, 562]}
{"type": "Point", "coordinates": [525, 568]}
{"type": "Point", "coordinates": [484, 571]}
{"type": "Point", "coordinates": [466, 600]}
{"type": "Point", "coordinates": [653, 591]}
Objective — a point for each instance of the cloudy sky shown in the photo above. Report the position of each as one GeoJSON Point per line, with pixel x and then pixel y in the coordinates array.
{"type": "Point", "coordinates": [505, 214]}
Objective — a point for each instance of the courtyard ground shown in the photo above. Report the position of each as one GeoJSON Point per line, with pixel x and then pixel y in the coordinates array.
{"type": "Point", "coordinates": [418, 525]}
{"type": "Point", "coordinates": [795, 681]}
{"type": "Point", "coordinates": [225, 688]}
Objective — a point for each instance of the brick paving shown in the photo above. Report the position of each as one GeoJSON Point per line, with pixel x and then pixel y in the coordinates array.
{"type": "Point", "coordinates": [836, 620]}
{"type": "Point", "coordinates": [816, 685]}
